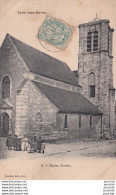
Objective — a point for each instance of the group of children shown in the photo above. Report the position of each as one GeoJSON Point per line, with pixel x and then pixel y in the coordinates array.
{"type": "Point", "coordinates": [25, 144]}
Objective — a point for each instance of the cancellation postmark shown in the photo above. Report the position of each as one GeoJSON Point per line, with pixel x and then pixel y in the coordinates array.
{"type": "Point", "coordinates": [55, 34]}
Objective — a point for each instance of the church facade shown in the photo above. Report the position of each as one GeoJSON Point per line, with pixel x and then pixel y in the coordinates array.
{"type": "Point", "coordinates": [40, 95]}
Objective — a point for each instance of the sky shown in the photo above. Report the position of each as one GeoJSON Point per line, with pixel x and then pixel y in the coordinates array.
{"type": "Point", "coordinates": [25, 27]}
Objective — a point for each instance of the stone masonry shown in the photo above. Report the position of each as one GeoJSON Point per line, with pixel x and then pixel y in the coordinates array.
{"type": "Point", "coordinates": [31, 112]}
{"type": "Point", "coordinates": [30, 103]}
{"type": "Point", "coordinates": [11, 64]}
{"type": "Point", "coordinates": [100, 63]}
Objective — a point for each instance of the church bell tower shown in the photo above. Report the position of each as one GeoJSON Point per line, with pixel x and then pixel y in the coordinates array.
{"type": "Point", "coordinates": [95, 69]}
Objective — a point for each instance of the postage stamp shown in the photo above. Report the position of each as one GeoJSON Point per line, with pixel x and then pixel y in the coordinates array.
{"type": "Point", "coordinates": [55, 32]}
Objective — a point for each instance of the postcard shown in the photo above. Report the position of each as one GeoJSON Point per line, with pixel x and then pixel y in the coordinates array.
{"type": "Point", "coordinates": [57, 90]}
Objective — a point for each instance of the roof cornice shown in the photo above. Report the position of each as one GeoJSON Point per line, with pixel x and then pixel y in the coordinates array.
{"type": "Point", "coordinates": [93, 23]}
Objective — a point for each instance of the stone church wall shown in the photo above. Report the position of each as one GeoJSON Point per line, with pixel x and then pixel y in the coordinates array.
{"type": "Point", "coordinates": [100, 63]}
{"type": "Point", "coordinates": [54, 83]}
{"type": "Point", "coordinates": [84, 130]}
{"type": "Point", "coordinates": [38, 113]}
{"type": "Point", "coordinates": [112, 112]}
{"type": "Point", "coordinates": [12, 65]}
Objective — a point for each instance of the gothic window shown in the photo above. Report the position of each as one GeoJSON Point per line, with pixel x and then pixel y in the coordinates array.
{"type": "Point", "coordinates": [38, 117]}
{"type": "Point", "coordinates": [89, 39]}
{"type": "Point", "coordinates": [90, 120]}
{"type": "Point", "coordinates": [92, 85]}
{"type": "Point", "coordinates": [95, 40]}
{"type": "Point", "coordinates": [6, 87]}
{"type": "Point", "coordinates": [66, 121]}
{"type": "Point", "coordinates": [80, 121]}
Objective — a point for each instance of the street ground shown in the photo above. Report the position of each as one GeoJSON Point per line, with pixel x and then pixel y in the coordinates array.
{"type": "Point", "coordinates": [77, 160]}
{"type": "Point", "coordinates": [104, 148]}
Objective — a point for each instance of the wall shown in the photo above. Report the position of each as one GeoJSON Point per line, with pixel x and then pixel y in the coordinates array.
{"type": "Point", "coordinates": [115, 124]}
{"type": "Point", "coordinates": [99, 62]}
{"type": "Point", "coordinates": [85, 130]}
{"type": "Point", "coordinates": [54, 83]}
{"type": "Point", "coordinates": [12, 65]}
{"type": "Point", "coordinates": [112, 113]}
{"type": "Point", "coordinates": [32, 101]}
{"type": "Point", "coordinates": [22, 110]}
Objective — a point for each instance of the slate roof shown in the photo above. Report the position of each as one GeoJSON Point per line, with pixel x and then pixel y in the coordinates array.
{"type": "Point", "coordinates": [75, 72]}
{"type": "Point", "coordinates": [68, 101]}
{"type": "Point", "coordinates": [43, 64]}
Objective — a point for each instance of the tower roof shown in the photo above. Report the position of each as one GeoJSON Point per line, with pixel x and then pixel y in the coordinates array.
{"type": "Point", "coordinates": [96, 20]}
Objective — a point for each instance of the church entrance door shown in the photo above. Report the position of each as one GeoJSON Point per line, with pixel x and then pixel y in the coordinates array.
{"type": "Point", "coordinates": [4, 124]}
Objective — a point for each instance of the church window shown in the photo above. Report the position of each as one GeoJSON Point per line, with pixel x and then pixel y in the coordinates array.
{"type": "Point", "coordinates": [38, 117]}
{"type": "Point", "coordinates": [79, 120]}
{"type": "Point", "coordinates": [66, 121]}
{"type": "Point", "coordinates": [6, 87]}
{"type": "Point", "coordinates": [95, 40]}
{"type": "Point", "coordinates": [89, 39]}
{"type": "Point", "coordinates": [92, 85]}
{"type": "Point", "coordinates": [92, 41]}
{"type": "Point", "coordinates": [90, 120]}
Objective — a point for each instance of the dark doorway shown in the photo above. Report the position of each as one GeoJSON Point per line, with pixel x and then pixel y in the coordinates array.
{"type": "Point", "coordinates": [4, 125]}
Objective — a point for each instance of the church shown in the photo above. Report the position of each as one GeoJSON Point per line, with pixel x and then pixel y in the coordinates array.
{"type": "Point", "coordinates": [40, 95]}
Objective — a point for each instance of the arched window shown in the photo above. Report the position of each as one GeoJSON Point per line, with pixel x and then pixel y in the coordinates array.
{"type": "Point", "coordinates": [92, 84]}
{"type": "Point", "coordinates": [89, 39]}
{"type": "Point", "coordinates": [95, 40]}
{"type": "Point", "coordinates": [38, 117]}
{"type": "Point", "coordinates": [6, 87]}
{"type": "Point", "coordinates": [66, 121]}
{"type": "Point", "coordinates": [90, 120]}
{"type": "Point", "coordinates": [79, 120]}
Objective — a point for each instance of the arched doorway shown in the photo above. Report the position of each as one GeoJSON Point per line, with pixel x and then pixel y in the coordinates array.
{"type": "Point", "coordinates": [4, 124]}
